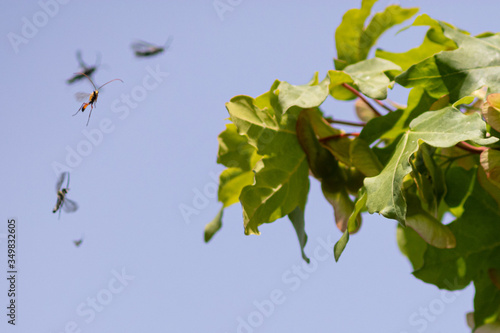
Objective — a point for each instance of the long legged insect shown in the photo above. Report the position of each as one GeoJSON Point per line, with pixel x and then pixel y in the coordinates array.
{"type": "Point", "coordinates": [145, 49]}
{"type": "Point", "coordinates": [92, 97]}
{"type": "Point", "coordinates": [87, 70]}
{"type": "Point", "coordinates": [64, 203]}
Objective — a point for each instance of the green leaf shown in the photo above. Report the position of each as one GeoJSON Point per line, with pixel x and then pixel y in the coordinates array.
{"type": "Point", "coordinates": [351, 224]}
{"type": "Point", "coordinates": [303, 96]}
{"type": "Point", "coordinates": [458, 191]}
{"type": "Point", "coordinates": [443, 128]}
{"type": "Point", "coordinates": [235, 151]}
{"type": "Point", "coordinates": [411, 245]}
{"type": "Point", "coordinates": [364, 159]}
{"type": "Point", "coordinates": [487, 297]}
{"type": "Point", "coordinates": [476, 233]}
{"type": "Point", "coordinates": [240, 158]}
{"type": "Point", "coordinates": [391, 125]}
{"type": "Point", "coordinates": [378, 127]}
{"type": "Point", "coordinates": [281, 178]}
{"type": "Point", "coordinates": [434, 42]}
{"type": "Point", "coordinates": [348, 35]}
{"type": "Point", "coordinates": [369, 75]}
{"type": "Point", "coordinates": [214, 226]}
{"type": "Point", "coordinates": [458, 72]}
{"type": "Point", "coordinates": [427, 226]}
{"type": "Point", "coordinates": [339, 247]}
{"type": "Point", "coordinates": [298, 222]}
{"type": "Point", "coordinates": [281, 184]}
{"type": "Point", "coordinates": [231, 183]}
{"type": "Point", "coordinates": [354, 41]}
{"type": "Point", "coordinates": [337, 90]}
{"type": "Point", "coordinates": [391, 16]}
{"type": "Point", "coordinates": [321, 161]}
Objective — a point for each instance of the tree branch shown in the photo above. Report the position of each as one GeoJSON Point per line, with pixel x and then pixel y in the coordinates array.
{"type": "Point", "coordinates": [338, 136]}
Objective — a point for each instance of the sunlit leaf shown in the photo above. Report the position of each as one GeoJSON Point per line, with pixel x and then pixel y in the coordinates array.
{"type": "Point", "coordinates": [354, 40]}
{"type": "Point", "coordinates": [442, 128]}
{"type": "Point", "coordinates": [458, 72]}
{"type": "Point", "coordinates": [214, 226]}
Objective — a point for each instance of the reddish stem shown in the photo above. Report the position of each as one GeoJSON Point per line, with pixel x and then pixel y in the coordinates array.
{"type": "Point", "coordinates": [470, 148]}
{"type": "Point", "coordinates": [338, 136]}
{"type": "Point", "coordinates": [383, 105]}
{"type": "Point", "coordinates": [331, 121]}
{"type": "Point", "coordinates": [357, 93]}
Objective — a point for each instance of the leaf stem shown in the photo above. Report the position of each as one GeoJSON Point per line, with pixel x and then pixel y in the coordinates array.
{"type": "Point", "coordinates": [338, 136]}
{"type": "Point", "coordinates": [343, 122]}
{"type": "Point", "coordinates": [383, 105]}
{"type": "Point", "coordinates": [357, 93]}
{"type": "Point", "coordinates": [470, 148]}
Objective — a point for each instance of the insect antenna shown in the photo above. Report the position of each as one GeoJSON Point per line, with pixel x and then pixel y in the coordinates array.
{"type": "Point", "coordinates": [87, 78]}
{"type": "Point", "coordinates": [110, 82]}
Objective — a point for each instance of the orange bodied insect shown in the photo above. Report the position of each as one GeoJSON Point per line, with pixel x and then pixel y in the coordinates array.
{"type": "Point", "coordinates": [92, 97]}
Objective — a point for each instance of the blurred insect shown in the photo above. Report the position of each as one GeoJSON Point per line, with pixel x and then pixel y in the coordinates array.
{"type": "Point", "coordinates": [78, 242]}
{"type": "Point", "coordinates": [87, 70]}
{"type": "Point", "coordinates": [63, 203]}
{"type": "Point", "coordinates": [92, 97]}
{"type": "Point", "coordinates": [145, 49]}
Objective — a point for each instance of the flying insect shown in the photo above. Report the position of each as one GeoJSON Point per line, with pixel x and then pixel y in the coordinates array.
{"type": "Point", "coordinates": [64, 203]}
{"type": "Point", "coordinates": [78, 242]}
{"type": "Point", "coordinates": [87, 70]}
{"type": "Point", "coordinates": [145, 49]}
{"type": "Point", "coordinates": [92, 97]}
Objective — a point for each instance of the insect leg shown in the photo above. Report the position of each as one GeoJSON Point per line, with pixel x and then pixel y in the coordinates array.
{"type": "Point", "coordinates": [90, 113]}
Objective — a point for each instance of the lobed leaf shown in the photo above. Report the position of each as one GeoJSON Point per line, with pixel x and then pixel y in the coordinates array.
{"type": "Point", "coordinates": [443, 128]}
{"type": "Point", "coordinates": [458, 72]}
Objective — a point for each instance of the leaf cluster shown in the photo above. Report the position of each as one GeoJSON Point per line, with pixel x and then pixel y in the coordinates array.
{"type": "Point", "coordinates": [436, 156]}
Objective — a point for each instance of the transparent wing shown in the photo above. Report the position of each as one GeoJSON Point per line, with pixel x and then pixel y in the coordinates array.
{"type": "Point", "coordinates": [69, 206]}
{"type": "Point", "coordinates": [60, 180]}
{"type": "Point", "coordinates": [81, 96]}
{"type": "Point", "coordinates": [142, 46]}
{"type": "Point", "coordinates": [168, 42]}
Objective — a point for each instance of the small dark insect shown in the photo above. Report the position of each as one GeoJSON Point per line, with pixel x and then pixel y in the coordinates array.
{"type": "Point", "coordinates": [78, 242]}
{"type": "Point", "coordinates": [92, 97]}
{"type": "Point", "coordinates": [145, 49]}
{"type": "Point", "coordinates": [87, 70]}
{"type": "Point", "coordinates": [64, 203]}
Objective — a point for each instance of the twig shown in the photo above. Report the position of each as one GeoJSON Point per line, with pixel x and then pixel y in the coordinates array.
{"type": "Point", "coordinates": [383, 105]}
{"type": "Point", "coordinates": [357, 93]}
{"type": "Point", "coordinates": [331, 121]}
{"type": "Point", "coordinates": [338, 136]}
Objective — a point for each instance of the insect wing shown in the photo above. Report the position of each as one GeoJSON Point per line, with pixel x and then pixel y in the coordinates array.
{"type": "Point", "coordinates": [142, 46]}
{"type": "Point", "coordinates": [60, 180]}
{"type": "Point", "coordinates": [81, 96]}
{"type": "Point", "coordinates": [168, 42]}
{"type": "Point", "coordinates": [69, 206]}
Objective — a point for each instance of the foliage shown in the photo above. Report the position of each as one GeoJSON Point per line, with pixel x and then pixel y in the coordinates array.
{"type": "Point", "coordinates": [438, 155]}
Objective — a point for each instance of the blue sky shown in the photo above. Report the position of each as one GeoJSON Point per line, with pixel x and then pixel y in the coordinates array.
{"type": "Point", "coordinates": [142, 266]}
